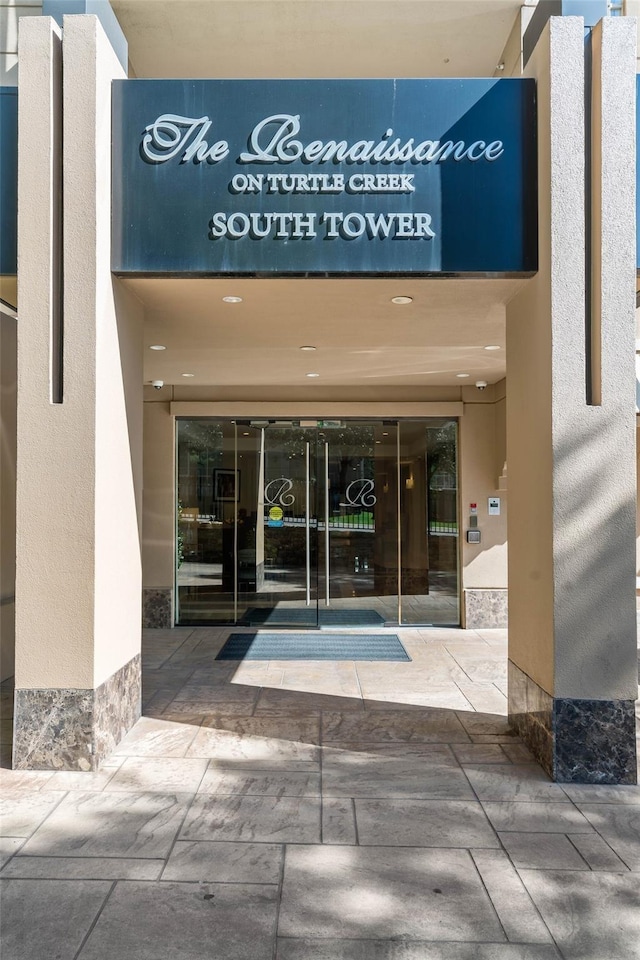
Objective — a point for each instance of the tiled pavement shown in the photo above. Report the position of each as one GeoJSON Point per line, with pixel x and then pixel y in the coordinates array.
{"type": "Point", "coordinates": [319, 811]}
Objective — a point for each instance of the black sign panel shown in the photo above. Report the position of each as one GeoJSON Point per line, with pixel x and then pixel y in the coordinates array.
{"type": "Point", "coordinates": [324, 177]}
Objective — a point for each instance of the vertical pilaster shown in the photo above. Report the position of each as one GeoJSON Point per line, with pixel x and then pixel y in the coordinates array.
{"type": "Point", "coordinates": [78, 574]}
{"type": "Point", "coordinates": [570, 420]}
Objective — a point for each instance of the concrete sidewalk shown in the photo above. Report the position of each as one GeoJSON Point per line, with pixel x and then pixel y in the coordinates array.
{"type": "Point", "coordinates": [320, 811]}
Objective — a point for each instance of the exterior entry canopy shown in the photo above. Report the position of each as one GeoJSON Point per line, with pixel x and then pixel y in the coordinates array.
{"type": "Point", "coordinates": [324, 177]}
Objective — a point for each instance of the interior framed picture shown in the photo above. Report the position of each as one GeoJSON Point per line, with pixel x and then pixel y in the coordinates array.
{"type": "Point", "coordinates": [226, 485]}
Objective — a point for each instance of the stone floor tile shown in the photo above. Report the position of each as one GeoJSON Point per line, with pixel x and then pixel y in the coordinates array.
{"type": "Point", "coordinates": [482, 669]}
{"type": "Point", "coordinates": [619, 824]}
{"type": "Point", "coordinates": [431, 725]}
{"type": "Point", "coordinates": [158, 774]}
{"type": "Point", "coordinates": [518, 753]}
{"type": "Point", "coordinates": [382, 892]}
{"type": "Point", "coordinates": [592, 916]}
{"type": "Point", "coordinates": [80, 780]}
{"type": "Point", "coordinates": [485, 723]}
{"type": "Point", "coordinates": [223, 862]}
{"type": "Point", "coordinates": [509, 736]}
{"type": "Point", "coordinates": [597, 852]}
{"type": "Point", "coordinates": [484, 697]}
{"type": "Point", "coordinates": [227, 779]}
{"type": "Point", "coordinates": [297, 728]}
{"type": "Point", "coordinates": [382, 771]}
{"type": "Point", "coordinates": [278, 701]}
{"type": "Point", "coordinates": [83, 868]}
{"type": "Point", "coordinates": [64, 913]}
{"type": "Point", "coordinates": [544, 816]}
{"type": "Point", "coordinates": [185, 921]}
{"type": "Point", "coordinates": [334, 679]}
{"type": "Point", "coordinates": [480, 753]}
{"type": "Point", "coordinates": [495, 636]}
{"type": "Point", "coordinates": [602, 793]}
{"type": "Point", "coordinates": [338, 821]}
{"type": "Point", "coordinates": [259, 819]}
{"type": "Point", "coordinates": [256, 752]}
{"type": "Point", "coordinates": [157, 738]}
{"type": "Point", "coordinates": [23, 781]}
{"type": "Point", "coordinates": [423, 823]}
{"type": "Point", "coordinates": [110, 825]}
{"type": "Point", "coordinates": [8, 847]}
{"type": "Point", "coordinates": [294, 949]}
{"type": "Point", "coordinates": [543, 851]}
{"type": "Point", "coordinates": [22, 813]}
{"type": "Point", "coordinates": [217, 697]}
{"type": "Point", "coordinates": [447, 696]}
{"type": "Point", "coordinates": [183, 712]}
{"type": "Point", "coordinates": [513, 782]}
{"type": "Point", "coordinates": [521, 921]}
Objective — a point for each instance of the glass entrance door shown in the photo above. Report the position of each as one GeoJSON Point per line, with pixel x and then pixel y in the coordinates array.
{"type": "Point", "coordinates": [358, 542]}
{"type": "Point", "coordinates": [317, 523]}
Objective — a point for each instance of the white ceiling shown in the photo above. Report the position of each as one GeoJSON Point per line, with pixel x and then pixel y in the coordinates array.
{"type": "Point", "coordinates": [316, 38]}
{"type": "Point", "coordinates": [361, 337]}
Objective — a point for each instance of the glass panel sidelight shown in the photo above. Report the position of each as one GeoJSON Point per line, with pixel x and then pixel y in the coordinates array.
{"type": "Point", "coordinates": [309, 523]}
{"type": "Point", "coordinates": [429, 522]}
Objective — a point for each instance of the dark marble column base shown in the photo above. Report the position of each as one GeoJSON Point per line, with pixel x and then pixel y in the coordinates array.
{"type": "Point", "coordinates": [576, 741]}
{"type": "Point", "coordinates": [157, 607]}
{"type": "Point", "coordinates": [485, 609]}
{"type": "Point", "coordinates": [75, 729]}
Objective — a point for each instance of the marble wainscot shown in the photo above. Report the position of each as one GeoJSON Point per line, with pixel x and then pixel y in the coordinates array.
{"type": "Point", "coordinates": [75, 729]}
{"type": "Point", "coordinates": [485, 609]}
{"type": "Point", "coordinates": [576, 741]}
{"type": "Point", "coordinates": [157, 608]}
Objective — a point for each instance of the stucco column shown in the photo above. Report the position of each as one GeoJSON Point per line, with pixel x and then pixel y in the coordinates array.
{"type": "Point", "coordinates": [570, 421]}
{"type": "Point", "coordinates": [78, 577]}
{"type": "Point", "coordinates": [158, 526]}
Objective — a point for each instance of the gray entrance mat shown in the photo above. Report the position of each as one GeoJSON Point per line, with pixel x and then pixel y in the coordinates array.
{"type": "Point", "coordinates": [303, 616]}
{"type": "Point", "coordinates": [313, 646]}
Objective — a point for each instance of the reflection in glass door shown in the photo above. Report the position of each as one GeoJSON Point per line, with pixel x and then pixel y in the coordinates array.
{"type": "Point", "coordinates": [358, 544]}
{"type": "Point", "coordinates": [311, 523]}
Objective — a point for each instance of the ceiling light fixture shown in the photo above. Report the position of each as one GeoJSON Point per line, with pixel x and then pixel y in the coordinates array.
{"type": "Point", "coordinates": [187, 374]}
{"type": "Point", "coordinates": [401, 300]}
{"type": "Point", "coordinates": [493, 346]}
{"type": "Point", "coordinates": [308, 348]}
{"type": "Point", "coordinates": [232, 299]}
{"type": "Point", "coordinates": [157, 346]}
{"type": "Point", "coordinates": [462, 376]}
{"type": "Point", "coordinates": [313, 374]}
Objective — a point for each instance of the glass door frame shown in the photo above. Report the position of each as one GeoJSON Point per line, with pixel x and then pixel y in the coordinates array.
{"type": "Point", "coordinates": [321, 456]}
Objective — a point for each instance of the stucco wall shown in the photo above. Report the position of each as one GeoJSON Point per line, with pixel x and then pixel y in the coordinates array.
{"type": "Point", "coordinates": [8, 346]}
{"type": "Point", "coordinates": [572, 463]}
{"type": "Point", "coordinates": [158, 526]}
{"type": "Point", "coordinates": [482, 458]}
{"type": "Point", "coordinates": [78, 589]}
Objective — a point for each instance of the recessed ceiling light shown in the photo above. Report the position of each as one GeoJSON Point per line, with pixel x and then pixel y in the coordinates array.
{"type": "Point", "coordinates": [308, 348]}
{"type": "Point", "coordinates": [313, 374]}
{"type": "Point", "coordinates": [246, 433]}
{"type": "Point", "coordinates": [187, 374]}
{"type": "Point", "coordinates": [463, 375]}
{"type": "Point", "coordinates": [492, 346]}
{"type": "Point", "coordinates": [157, 346]}
{"type": "Point", "coordinates": [378, 441]}
{"type": "Point", "coordinates": [232, 299]}
{"type": "Point", "coordinates": [401, 299]}
{"type": "Point", "coordinates": [385, 434]}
